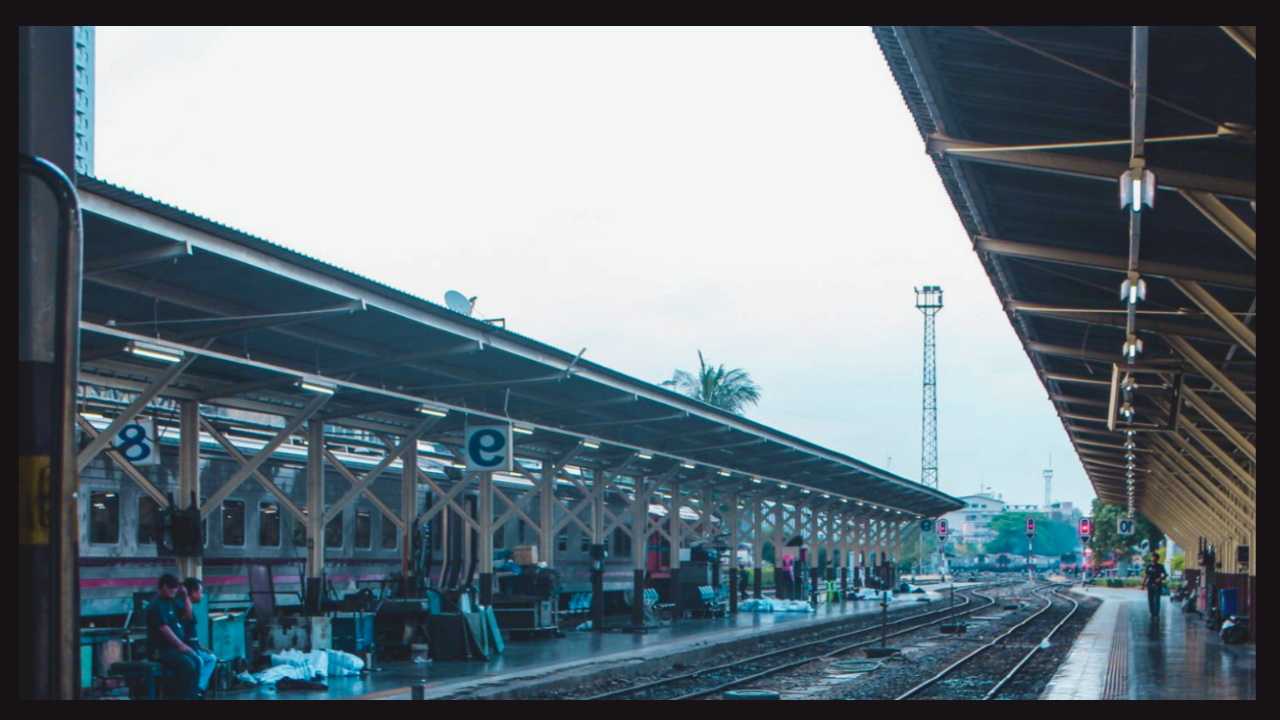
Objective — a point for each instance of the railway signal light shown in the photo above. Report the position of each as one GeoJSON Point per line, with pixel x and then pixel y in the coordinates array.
{"type": "Point", "coordinates": [1086, 529]}
{"type": "Point", "coordinates": [944, 529]}
{"type": "Point", "coordinates": [1031, 527]}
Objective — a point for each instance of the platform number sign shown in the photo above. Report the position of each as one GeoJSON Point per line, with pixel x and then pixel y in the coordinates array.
{"type": "Point", "coordinates": [1086, 529]}
{"type": "Point", "coordinates": [926, 526]}
{"type": "Point", "coordinates": [1031, 527]}
{"type": "Point", "coordinates": [1125, 527]}
{"type": "Point", "coordinates": [944, 529]}
{"type": "Point", "coordinates": [489, 448]}
{"type": "Point", "coordinates": [137, 443]}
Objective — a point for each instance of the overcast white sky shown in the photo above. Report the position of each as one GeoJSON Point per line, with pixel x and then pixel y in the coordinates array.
{"type": "Point", "coordinates": [761, 195]}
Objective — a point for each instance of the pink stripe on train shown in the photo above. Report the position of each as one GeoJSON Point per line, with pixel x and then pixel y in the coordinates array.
{"type": "Point", "coordinates": [217, 580]}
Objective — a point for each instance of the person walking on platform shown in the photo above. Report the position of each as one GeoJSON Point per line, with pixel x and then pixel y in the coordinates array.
{"type": "Point", "coordinates": [1153, 580]}
{"type": "Point", "coordinates": [192, 592]}
{"type": "Point", "coordinates": [166, 641]}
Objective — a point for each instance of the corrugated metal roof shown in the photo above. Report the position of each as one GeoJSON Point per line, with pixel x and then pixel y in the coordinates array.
{"type": "Point", "coordinates": [986, 85]}
{"type": "Point", "coordinates": [510, 377]}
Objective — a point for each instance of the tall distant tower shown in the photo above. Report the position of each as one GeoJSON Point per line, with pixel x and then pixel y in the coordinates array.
{"type": "Point", "coordinates": [929, 302]}
{"type": "Point", "coordinates": [1048, 486]}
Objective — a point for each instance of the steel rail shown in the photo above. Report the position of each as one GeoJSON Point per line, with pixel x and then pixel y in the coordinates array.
{"type": "Point", "coordinates": [944, 613]}
{"type": "Point", "coordinates": [967, 658]}
{"type": "Point", "coordinates": [1075, 607]}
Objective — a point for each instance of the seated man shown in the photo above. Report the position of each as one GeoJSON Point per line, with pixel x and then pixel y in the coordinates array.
{"type": "Point", "coordinates": [165, 639]}
{"type": "Point", "coordinates": [192, 592]}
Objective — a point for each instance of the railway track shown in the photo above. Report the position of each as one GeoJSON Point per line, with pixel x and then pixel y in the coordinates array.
{"type": "Point", "coordinates": [981, 674]}
{"type": "Point", "coordinates": [706, 682]}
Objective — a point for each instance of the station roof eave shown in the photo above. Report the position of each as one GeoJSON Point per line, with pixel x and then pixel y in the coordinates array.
{"type": "Point", "coordinates": [1046, 222]}
{"type": "Point", "coordinates": [260, 317]}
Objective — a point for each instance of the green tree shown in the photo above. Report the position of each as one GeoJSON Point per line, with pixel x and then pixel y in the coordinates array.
{"type": "Point", "coordinates": [731, 390]}
{"type": "Point", "coordinates": [1106, 532]}
{"type": "Point", "coordinates": [1052, 537]}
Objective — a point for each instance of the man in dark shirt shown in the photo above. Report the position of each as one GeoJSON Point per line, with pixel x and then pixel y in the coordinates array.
{"type": "Point", "coordinates": [1153, 580]}
{"type": "Point", "coordinates": [166, 639]}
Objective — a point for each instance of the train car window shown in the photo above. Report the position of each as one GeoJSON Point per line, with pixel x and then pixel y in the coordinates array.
{"type": "Point", "coordinates": [233, 523]}
{"type": "Point", "coordinates": [500, 538]}
{"type": "Point", "coordinates": [564, 542]}
{"type": "Point", "coordinates": [300, 530]}
{"type": "Point", "coordinates": [333, 533]}
{"type": "Point", "coordinates": [390, 534]}
{"type": "Point", "coordinates": [147, 509]}
{"type": "Point", "coordinates": [520, 528]}
{"type": "Point", "coordinates": [268, 525]}
{"type": "Point", "coordinates": [364, 530]}
{"type": "Point", "coordinates": [586, 543]}
{"type": "Point", "coordinates": [104, 518]}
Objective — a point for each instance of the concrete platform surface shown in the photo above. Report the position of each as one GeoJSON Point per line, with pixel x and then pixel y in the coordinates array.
{"type": "Point", "coordinates": [578, 656]}
{"type": "Point", "coordinates": [1123, 654]}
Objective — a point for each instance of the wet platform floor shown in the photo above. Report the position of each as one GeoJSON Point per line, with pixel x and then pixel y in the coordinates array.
{"type": "Point", "coordinates": [1124, 654]}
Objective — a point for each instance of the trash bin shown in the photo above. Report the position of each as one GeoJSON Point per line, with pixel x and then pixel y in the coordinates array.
{"type": "Point", "coordinates": [1229, 602]}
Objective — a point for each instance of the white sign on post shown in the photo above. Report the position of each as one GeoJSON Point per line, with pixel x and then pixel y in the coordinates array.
{"type": "Point", "coordinates": [489, 448]}
{"type": "Point", "coordinates": [138, 443]}
{"type": "Point", "coordinates": [1126, 527]}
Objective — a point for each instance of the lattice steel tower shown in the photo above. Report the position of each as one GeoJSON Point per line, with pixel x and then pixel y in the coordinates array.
{"type": "Point", "coordinates": [929, 302]}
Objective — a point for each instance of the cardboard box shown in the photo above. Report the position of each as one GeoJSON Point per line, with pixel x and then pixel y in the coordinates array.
{"type": "Point", "coordinates": [525, 555]}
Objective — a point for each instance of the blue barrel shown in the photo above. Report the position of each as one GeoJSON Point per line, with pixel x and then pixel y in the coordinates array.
{"type": "Point", "coordinates": [1229, 602]}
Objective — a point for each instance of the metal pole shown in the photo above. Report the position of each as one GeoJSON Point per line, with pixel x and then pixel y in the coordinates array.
{"type": "Point", "coordinates": [547, 517]}
{"type": "Point", "coordinates": [1030, 575]}
{"type": "Point", "coordinates": [674, 524]}
{"type": "Point", "coordinates": [734, 562]}
{"type": "Point", "coordinates": [599, 480]}
{"type": "Point", "coordinates": [486, 539]}
{"type": "Point", "coordinates": [315, 515]}
{"type": "Point", "coordinates": [189, 477]}
{"type": "Point", "coordinates": [639, 542]}
{"type": "Point", "coordinates": [409, 514]}
{"type": "Point", "coordinates": [884, 618]}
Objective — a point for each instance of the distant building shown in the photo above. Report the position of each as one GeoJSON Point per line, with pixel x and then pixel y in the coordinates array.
{"type": "Point", "coordinates": [971, 525]}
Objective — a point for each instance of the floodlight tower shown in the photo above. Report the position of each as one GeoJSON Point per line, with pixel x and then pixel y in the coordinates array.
{"type": "Point", "coordinates": [929, 302]}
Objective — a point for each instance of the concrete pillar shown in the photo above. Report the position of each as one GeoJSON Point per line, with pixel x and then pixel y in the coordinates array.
{"type": "Point", "coordinates": [48, 361]}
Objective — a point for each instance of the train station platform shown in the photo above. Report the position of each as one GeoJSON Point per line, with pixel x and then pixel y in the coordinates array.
{"type": "Point", "coordinates": [1125, 655]}
{"type": "Point", "coordinates": [581, 656]}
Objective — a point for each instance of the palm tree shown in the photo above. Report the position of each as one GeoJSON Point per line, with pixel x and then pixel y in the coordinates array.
{"type": "Point", "coordinates": [730, 390]}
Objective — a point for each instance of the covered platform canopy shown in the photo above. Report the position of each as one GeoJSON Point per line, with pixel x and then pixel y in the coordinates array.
{"type": "Point", "coordinates": [1140, 319]}
{"type": "Point", "coordinates": [180, 307]}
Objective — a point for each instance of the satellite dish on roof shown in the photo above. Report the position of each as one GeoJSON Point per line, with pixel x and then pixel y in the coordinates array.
{"type": "Point", "coordinates": [459, 303]}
